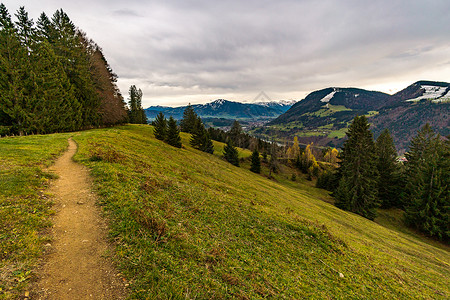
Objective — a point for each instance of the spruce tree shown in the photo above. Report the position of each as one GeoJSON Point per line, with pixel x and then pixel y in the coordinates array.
{"type": "Point", "coordinates": [207, 144]}
{"type": "Point", "coordinates": [427, 199]}
{"type": "Point", "coordinates": [173, 134]}
{"type": "Point", "coordinates": [160, 129]}
{"type": "Point", "coordinates": [200, 138]}
{"type": "Point", "coordinates": [256, 162]}
{"type": "Point", "coordinates": [189, 120]}
{"type": "Point", "coordinates": [14, 73]}
{"type": "Point", "coordinates": [388, 170]}
{"type": "Point", "coordinates": [74, 56]}
{"type": "Point", "coordinates": [235, 133]}
{"type": "Point", "coordinates": [231, 154]}
{"type": "Point", "coordinates": [136, 112]}
{"type": "Point", "coordinates": [197, 132]}
{"type": "Point", "coordinates": [357, 189]}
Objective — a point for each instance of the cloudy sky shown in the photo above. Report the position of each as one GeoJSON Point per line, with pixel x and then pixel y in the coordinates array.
{"type": "Point", "coordinates": [180, 51]}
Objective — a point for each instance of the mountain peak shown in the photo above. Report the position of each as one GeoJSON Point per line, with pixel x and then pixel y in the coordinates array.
{"type": "Point", "coordinates": [435, 91]}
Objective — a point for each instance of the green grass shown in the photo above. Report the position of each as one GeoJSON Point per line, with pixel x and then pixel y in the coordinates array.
{"type": "Point", "coordinates": [186, 224]}
{"type": "Point", "coordinates": [25, 206]}
{"type": "Point", "coordinates": [338, 133]}
{"type": "Point", "coordinates": [336, 108]}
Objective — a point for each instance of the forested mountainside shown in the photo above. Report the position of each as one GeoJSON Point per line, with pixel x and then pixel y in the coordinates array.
{"type": "Point", "coordinates": [53, 78]}
{"type": "Point", "coordinates": [420, 103]}
{"type": "Point", "coordinates": [323, 116]}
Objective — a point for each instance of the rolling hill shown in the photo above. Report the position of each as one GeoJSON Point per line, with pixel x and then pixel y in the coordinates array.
{"type": "Point", "coordinates": [323, 116]}
{"type": "Point", "coordinates": [186, 224]}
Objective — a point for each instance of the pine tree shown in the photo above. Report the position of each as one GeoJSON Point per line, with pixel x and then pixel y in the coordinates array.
{"type": "Point", "coordinates": [389, 171]}
{"type": "Point", "coordinates": [56, 109]}
{"type": "Point", "coordinates": [160, 129]}
{"type": "Point", "coordinates": [136, 112]}
{"type": "Point", "coordinates": [357, 189]}
{"type": "Point", "coordinates": [173, 134]}
{"type": "Point", "coordinates": [73, 53]}
{"type": "Point", "coordinates": [189, 120]}
{"type": "Point", "coordinates": [235, 133]}
{"type": "Point", "coordinates": [14, 72]}
{"type": "Point", "coordinates": [231, 154]}
{"type": "Point", "coordinates": [256, 162]}
{"type": "Point", "coordinates": [197, 132]}
{"type": "Point", "coordinates": [200, 138]}
{"type": "Point", "coordinates": [427, 200]}
{"type": "Point", "coordinates": [207, 144]}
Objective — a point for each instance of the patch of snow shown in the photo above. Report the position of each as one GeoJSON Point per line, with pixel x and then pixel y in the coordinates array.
{"type": "Point", "coordinates": [430, 92]}
{"type": "Point", "coordinates": [444, 98]}
{"type": "Point", "coordinates": [275, 102]}
{"type": "Point", "coordinates": [356, 95]}
{"type": "Point", "coordinates": [216, 103]}
{"type": "Point", "coordinates": [328, 97]}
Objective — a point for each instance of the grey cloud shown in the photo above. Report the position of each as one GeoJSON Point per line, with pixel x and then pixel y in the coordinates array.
{"type": "Point", "coordinates": [179, 48]}
{"type": "Point", "coordinates": [127, 13]}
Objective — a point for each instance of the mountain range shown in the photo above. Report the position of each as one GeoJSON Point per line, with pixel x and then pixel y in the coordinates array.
{"type": "Point", "coordinates": [323, 116]}
{"type": "Point", "coordinates": [225, 109]}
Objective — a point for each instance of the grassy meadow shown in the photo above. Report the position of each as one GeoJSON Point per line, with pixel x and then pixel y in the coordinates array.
{"type": "Point", "coordinates": [188, 225]}
{"type": "Point", "coordinates": [25, 207]}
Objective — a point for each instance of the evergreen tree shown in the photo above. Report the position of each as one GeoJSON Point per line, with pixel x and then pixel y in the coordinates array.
{"type": "Point", "coordinates": [256, 162]}
{"type": "Point", "coordinates": [55, 107]}
{"type": "Point", "coordinates": [389, 171]}
{"type": "Point", "coordinates": [197, 132]}
{"type": "Point", "coordinates": [207, 144]}
{"type": "Point", "coordinates": [74, 56]}
{"type": "Point", "coordinates": [357, 189]}
{"type": "Point", "coordinates": [231, 154]}
{"type": "Point", "coordinates": [25, 28]}
{"type": "Point", "coordinates": [14, 72]}
{"type": "Point", "coordinates": [427, 200]}
{"type": "Point", "coordinates": [44, 28]}
{"type": "Point", "coordinates": [189, 120]}
{"type": "Point", "coordinates": [160, 129]}
{"type": "Point", "coordinates": [136, 112]}
{"type": "Point", "coordinates": [200, 138]}
{"type": "Point", "coordinates": [235, 133]}
{"type": "Point", "coordinates": [173, 134]}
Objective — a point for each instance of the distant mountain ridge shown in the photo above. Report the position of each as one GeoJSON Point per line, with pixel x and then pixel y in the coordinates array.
{"type": "Point", "coordinates": [222, 108]}
{"type": "Point", "coordinates": [411, 108]}
{"type": "Point", "coordinates": [323, 116]}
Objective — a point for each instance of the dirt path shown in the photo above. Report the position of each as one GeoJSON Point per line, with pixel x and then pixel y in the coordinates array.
{"type": "Point", "coordinates": [75, 267]}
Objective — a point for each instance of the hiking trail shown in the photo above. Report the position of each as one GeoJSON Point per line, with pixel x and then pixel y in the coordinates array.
{"type": "Point", "coordinates": [75, 266]}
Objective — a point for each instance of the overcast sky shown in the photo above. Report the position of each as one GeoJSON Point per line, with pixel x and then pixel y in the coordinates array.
{"type": "Point", "coordinates": [184, 51]}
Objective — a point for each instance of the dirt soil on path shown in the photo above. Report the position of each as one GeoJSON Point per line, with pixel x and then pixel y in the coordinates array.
{"type": "Point", "coordinates": [76, 267]}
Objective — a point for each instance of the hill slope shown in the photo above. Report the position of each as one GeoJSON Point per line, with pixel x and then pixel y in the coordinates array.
{"type": "Point", "coordinates": [188, 223]}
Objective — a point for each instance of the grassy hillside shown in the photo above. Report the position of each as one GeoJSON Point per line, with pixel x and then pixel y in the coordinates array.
{"type": "Point", "coordinates": [189, 225]}
{"type": "Point", "coordinates": [25, 207]}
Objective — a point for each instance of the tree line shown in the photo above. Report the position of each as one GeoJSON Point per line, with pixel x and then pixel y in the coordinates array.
{"type": "Point", "coordinates": [369, 176]}
{"type": "Point", "coordinates": [53, 78]}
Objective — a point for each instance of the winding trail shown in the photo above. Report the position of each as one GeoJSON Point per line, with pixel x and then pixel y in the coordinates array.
{"type": "Point", "coordinates": [76, 267]}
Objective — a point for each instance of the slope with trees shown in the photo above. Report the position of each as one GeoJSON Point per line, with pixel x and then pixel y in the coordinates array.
{"type": "Point", "coordinates": [53, 78]}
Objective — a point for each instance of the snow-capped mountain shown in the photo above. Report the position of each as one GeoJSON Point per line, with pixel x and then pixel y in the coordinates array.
{"type": "Point", "coordinates": [431, 91]}
{"type": "Point", "coordinates": [222, 108]}
{"type": "Point", "coordinates": [324, 114]}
